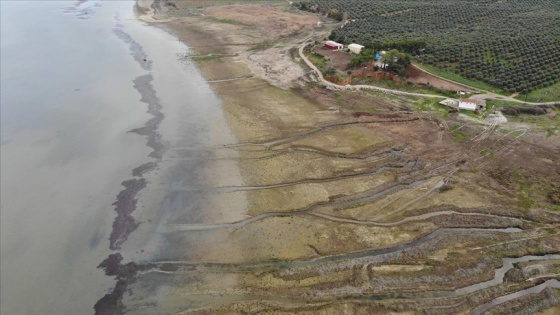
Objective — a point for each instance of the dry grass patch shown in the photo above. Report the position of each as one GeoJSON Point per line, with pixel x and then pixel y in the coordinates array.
{"type": "Point", "coordinates": [350, 140]}
{"type": "Point", "coordinates": [274, 23]}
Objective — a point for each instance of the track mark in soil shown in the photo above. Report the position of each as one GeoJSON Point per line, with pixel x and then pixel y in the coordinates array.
{"type": "Point", "coordinates": [380, 170]}
{"type": "Point", "coordinates": [289, 266]}
{"type": "Point", "coordinates": [273, 143]}
{"type": "Point", "coordinates": [307, 211]}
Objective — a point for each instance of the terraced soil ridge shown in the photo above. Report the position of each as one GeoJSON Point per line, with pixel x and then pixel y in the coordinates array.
{"type": "Point", "coordinates": [354, 200]}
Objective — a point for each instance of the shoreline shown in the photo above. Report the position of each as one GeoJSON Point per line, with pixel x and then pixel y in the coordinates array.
{"type": "Point", "coordinates": [142, 208]}
{"type": "Point", "coordinates": [343, 172]}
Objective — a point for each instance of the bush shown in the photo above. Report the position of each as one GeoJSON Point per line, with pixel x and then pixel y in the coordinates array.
{"type": "Point", "coordinates": [445, 188]}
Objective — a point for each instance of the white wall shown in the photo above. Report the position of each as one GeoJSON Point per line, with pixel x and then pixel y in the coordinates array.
{"type": "Point", "coordinates": [355, 48]}
{"type": "Point", "coordinates": [467, 106]}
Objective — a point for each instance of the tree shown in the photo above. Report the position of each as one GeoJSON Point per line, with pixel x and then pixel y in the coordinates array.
{"type": "Point", "coordinates": [373, 45]}
{"type": "Point", "coordinates": [365, 56]}
{"type": "Point", "coordinates": [396, 61]}
{"type": "Point", "coordinates": [335, 14]}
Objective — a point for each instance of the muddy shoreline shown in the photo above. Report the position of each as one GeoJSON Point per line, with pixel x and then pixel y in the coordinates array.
{"type": "Point", "coordinates": [142, 207]}
{"type": "Point", "coordinates": [126, 202]}
{"type": "Point", "coordinates": [327, 175]}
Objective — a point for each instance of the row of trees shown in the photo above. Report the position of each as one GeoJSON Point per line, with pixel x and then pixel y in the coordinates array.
{"type": "Point", "coordinates": [411, 46]}
{"type": "Point", "coordinates": [509, 44]}
{"type": "Point", "coordinates": [393, 60]}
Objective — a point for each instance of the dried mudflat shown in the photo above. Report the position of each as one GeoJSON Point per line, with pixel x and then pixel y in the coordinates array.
{"type": "Point", "coordinates": [355, 202]}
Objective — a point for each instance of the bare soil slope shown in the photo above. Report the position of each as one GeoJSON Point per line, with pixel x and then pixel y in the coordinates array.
{"type": "Point", "coordinates": [272, 22]}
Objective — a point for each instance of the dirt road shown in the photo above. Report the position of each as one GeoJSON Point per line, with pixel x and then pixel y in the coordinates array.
{"type": "Point", "coordinates": [355, 87]}
{"type": "Point", "coordinates": [487, 94]}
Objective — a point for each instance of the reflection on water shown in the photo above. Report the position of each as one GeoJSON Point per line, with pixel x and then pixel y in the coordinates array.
{"type": "Point", "coordinates": [69, 100]}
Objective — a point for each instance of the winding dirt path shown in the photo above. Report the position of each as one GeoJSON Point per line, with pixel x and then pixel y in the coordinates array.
{"type": "Point", "coordinates": [355, 87]}
{"type": "Point", "coordinates": [486, 95]}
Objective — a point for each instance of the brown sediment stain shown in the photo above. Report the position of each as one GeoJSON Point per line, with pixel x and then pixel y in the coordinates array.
{"type": "Point", "coordinates": [148, 95]}
{"type": "Point", "coordinates": [136, 51]}
{"type": "Point", "coordinates": [143, 169]}
{"type": "Point", "coordinates": [125, 223]}
{"type": "Point", "coordinates": [111, 303]}
{"type": "Point", "coordinates": [125, 274]}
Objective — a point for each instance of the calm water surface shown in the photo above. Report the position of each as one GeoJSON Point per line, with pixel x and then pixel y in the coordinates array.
{"type": "Point", "coordinates": [68, 102]}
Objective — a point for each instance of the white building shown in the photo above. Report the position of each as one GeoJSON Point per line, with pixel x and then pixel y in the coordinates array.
{"type": "Point", "coordinates": [355, 48]}
{"type": "Point", "coordinates": [468, 104]}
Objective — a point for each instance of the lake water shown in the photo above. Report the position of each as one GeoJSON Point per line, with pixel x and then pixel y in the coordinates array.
{"type": "Point", "coordinates": [76, 78]}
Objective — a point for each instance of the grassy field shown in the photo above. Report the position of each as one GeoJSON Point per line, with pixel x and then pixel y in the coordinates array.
{"type": "Point", "coordinates": [499, 103]}
{"type": "Point", "coordinates": [226, 21]}
{"type": "Point", "coordinates": [194, 6]}
{"type": "Point", "coordinates": [318, 61]}
{"type": "Point", "coordinates": [390, 84]}
{"type": "Point", "coordinates": [542, 123]}
{"type": "Point", "coordinates": [431, 105]}
{"type": "Point", "coordinates": [548, 94]}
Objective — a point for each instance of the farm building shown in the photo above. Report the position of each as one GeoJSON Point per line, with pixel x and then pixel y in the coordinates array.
{"type": "Point", "coordinates": [333, 45]}
{"type": "Point", "coordinates": [470, 104]}
{"type": "Point", "coordinates": [355, 48]}
{"type": "Point", "coordinates": [466, 104]}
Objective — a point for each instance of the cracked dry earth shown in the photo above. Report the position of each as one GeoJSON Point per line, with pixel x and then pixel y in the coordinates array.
{"type": "Point", "coordinates": [371, 208]}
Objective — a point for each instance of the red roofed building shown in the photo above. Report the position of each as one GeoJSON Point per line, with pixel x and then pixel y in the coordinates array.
{"type": "Point", "coordinates": [333, 45]}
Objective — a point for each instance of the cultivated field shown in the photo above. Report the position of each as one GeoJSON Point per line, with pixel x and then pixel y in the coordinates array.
{"type": "Point", "coordinates": [512, 45]}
